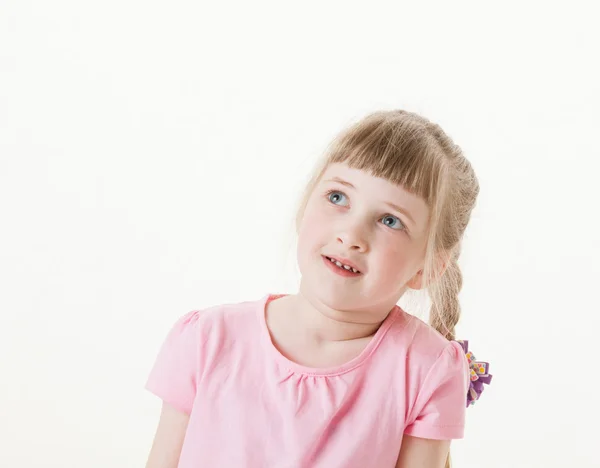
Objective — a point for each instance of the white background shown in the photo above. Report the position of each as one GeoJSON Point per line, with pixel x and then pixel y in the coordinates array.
{"type": "Point", "coordinates": [151, 154]}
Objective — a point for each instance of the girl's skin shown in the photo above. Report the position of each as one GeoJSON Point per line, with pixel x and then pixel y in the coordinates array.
{"type": "Point", "coordinates": [333, 317]}
{"type": "Point", "coordinates": [339, 314]}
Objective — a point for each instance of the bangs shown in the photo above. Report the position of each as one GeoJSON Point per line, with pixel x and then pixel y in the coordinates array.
{"type": "Point", "coordinates": [402, 152]}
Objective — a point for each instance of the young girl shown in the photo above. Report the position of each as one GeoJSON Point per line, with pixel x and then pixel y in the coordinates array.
{"type": "Point", "coordinates": [338, 375]}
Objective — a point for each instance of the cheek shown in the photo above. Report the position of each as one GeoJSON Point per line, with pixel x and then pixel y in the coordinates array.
{"type": "Point", "coordinates": [313, 228]}
{"type": "Point", "coordinates": [394, 262]}
{"type": "Point", "coordinates": [310, 239]}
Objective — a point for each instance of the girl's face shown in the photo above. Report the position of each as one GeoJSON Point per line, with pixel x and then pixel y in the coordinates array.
{"type": "Point", "coordinates": [366, 223]}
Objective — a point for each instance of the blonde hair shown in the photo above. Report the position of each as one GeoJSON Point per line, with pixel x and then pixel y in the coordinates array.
{"type": "Point", "coordinates": [407, 149]}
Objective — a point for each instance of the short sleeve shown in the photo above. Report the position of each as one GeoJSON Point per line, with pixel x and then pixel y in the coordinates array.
{"type": "Point", "coordinates": [439, 410]}
{"type": "Point", "coordinates": [174, 375]}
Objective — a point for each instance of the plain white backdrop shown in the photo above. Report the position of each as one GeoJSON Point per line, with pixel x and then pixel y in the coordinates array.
{"type": "Point", "coordinates": [151, 155]}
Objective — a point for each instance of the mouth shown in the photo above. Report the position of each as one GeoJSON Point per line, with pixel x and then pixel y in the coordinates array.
{"type": "Point", "coordinates": [341, 268]}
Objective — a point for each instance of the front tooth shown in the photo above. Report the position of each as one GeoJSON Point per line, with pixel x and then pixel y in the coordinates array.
{"type": "Point", "coordinates": [338, 263]}
{"type": "Point", "coordinates": [347, 267]}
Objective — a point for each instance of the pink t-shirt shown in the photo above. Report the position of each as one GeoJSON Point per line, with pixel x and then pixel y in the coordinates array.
{"type": "Point", "coordinates": [252, 407]}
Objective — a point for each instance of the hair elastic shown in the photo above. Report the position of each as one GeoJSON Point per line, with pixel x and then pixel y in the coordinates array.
{"type": "Point", "coordinates": [479, 374]}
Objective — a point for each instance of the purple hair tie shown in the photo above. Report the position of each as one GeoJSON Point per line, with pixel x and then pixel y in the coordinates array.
{"type": "Point", "coordinates": [478, 374]}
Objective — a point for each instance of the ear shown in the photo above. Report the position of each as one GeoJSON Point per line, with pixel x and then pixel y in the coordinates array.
{"type": "Point", "coordinates": [416, 282]}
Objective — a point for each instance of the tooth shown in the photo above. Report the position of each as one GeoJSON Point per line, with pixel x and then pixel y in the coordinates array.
{"type": "Point", "coordinates": [354, 270]}
{"type": "Point", "coordinates": [338, 263]}
{"type": "Point", "coordinates": [347, 267]}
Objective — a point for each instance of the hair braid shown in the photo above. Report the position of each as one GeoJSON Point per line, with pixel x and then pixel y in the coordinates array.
{"type": "Point", "coordinates": [445, 311]}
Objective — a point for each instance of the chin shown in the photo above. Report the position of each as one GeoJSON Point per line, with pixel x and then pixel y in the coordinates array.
{"type": "Point", "coordinates": [318, 284]}
{"type": "Point", "coordinates": [329, 295]}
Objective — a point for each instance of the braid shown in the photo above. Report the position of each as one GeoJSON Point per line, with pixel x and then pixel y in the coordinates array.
{"type": "Point", "coordinates": [445, 309]}
{"type": "Point", "coordinates": [446, 313]}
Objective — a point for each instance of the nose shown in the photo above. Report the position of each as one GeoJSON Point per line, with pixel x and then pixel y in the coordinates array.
{"type": "Point", "coordinates": [353, 238]}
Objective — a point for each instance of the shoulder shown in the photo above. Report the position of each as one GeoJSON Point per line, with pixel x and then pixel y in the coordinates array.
{"type": "Point", "coordinates": [220, 319]}
{"type": "Point", "coordinates": [428, 358]}
{"type": "Point", "coordinates": [410, 335]}
{"type": "Point", "coordinates": [422, 343]}
{"type": "Point", "coordinates": [195, 341]}
{"type": "Point", "coordinates": [202, 333]}
{"type": "Point", "coordinates": [435, 379]}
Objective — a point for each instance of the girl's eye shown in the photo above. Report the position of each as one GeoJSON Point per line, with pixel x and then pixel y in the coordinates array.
{"type": "Point", "coordinates": [335, 197]}
{"type": "Point", "coordinates": [393, 222]}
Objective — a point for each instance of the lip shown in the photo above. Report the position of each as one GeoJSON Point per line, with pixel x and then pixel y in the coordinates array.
{"type": "Point", "coordinates": [339, 271]}
{"type": "Point", "coordinates": [345, 261]}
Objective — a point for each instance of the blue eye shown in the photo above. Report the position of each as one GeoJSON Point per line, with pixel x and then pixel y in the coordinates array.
{"type": "Point", "coordinates": [334, 197]}
{"type": "Point", "coordinates": [393, 222]}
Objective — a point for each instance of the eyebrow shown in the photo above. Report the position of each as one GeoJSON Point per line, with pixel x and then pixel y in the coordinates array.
{"type": "Point", "coordinates": [391, 205]}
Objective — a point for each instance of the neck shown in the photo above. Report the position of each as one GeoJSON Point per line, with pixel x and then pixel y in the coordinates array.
{"type": "Point", "coordinates": [320, 323]}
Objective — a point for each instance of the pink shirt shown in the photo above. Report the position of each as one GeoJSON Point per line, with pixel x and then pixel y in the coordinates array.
{"type": "Point", "coordinates": [251, 407]}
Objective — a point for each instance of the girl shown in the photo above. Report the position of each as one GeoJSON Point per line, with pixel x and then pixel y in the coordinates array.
{"type": "Point", "coordinates": [337, 375]}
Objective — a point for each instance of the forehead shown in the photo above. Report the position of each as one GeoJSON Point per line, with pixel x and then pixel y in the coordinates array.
{"type": "Point", "coordinates": [378, 190]}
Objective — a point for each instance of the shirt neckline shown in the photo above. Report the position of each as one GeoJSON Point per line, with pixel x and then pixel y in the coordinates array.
{"type": "Point", "coordinates": [296, 368]}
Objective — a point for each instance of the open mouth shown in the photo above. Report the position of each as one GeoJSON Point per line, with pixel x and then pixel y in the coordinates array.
{"type": "Point", "coordinates": [341, 266]}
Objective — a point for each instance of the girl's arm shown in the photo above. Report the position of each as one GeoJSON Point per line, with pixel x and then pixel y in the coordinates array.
{"type": "Point", "coordinates": [168, 438]}
{"type": "Point", "coordinates": [423, 453]}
